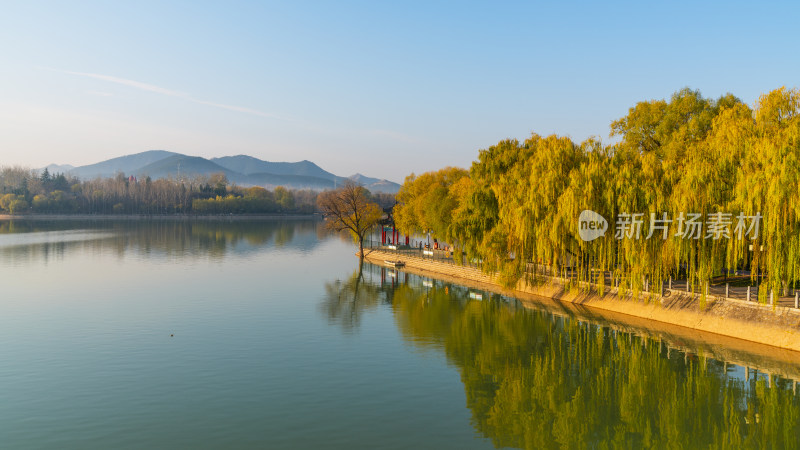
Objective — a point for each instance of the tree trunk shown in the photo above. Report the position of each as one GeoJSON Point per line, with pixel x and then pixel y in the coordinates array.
{"type": "Point", "coordinates": [361, 247]}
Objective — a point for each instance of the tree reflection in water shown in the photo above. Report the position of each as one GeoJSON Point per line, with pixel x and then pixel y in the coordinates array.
{"type": "Point", "coordinates": [346, 301]}
{"type": "Point", "coordinates": [171, 236]}
{"type": "Point", "coordinates": [535, 380]}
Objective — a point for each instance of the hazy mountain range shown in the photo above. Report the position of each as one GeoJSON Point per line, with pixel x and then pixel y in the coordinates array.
{"type": "Point", "coordinates": [242, 169]}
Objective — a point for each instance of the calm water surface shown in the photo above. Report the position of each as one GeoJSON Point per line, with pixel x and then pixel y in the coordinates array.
{"type": "Point", "coordinates": [242, 334]}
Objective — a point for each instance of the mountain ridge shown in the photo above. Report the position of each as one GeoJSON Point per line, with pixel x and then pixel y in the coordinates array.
{"type": "Point", "coordinates": [244, 170]}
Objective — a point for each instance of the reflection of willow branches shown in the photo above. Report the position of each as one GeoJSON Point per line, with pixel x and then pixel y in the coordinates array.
{"type": "Point", "coordinates": [533, 381]}
{"type": "Point", "coordinates": [346, 301]}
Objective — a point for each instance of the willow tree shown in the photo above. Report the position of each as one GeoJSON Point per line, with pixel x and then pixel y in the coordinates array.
{"type": "Point", "coordinates": [553, 161]}
{"type": "Point", "coordinates": [666, 164]}
{"type": "Point", "coordinates": [480, 221]}
{"type": "Point", "coordinates": [426, 202]}
{"type": "Point", "coordinates": [348, 209]}
{"type": "Point", "coordinates": [769, 184]}
{"type": "Point", "coordinates": [474, 217]}
{"type": "Point", "coordinates": [687, 158]}
{"type": "Point", "coordinates": [711, 179]}
{"type": "Point", "coordinates": [702, 181]}
{"type": "Point", "coordinates": [510, 212]}
{"type": "Point", "coordinates": [590, 188]}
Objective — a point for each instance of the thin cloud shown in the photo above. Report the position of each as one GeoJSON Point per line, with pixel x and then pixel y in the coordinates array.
{"type": "Point", "coordinates": [235, 108]}
{"type": "Point", "coordinates": [168, 92]}
{"type": "Point", "coordinates": [130, 83]}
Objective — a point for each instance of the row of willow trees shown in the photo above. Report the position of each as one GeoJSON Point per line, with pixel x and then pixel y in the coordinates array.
{"type": "Point", "coordinates": [25, 190]}
{"type": "Point", "coordinates": [520, 201]}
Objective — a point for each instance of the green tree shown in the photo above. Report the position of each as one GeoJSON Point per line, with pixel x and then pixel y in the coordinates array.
{"type": "Point", "coordinates": [41, 203]}
{"type": "Point", "coordinates": [284, 198]}
{"type": "Point", "coordinates": [18, 205]}
{"type": "Point", "coordinates": [45, 177]}
{"type": "Point", "coordinates": [426, 203]}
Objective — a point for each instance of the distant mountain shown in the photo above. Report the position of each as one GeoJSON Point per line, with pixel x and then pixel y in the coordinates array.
{"type": "Point", "coordinates": [362, 179]}
{"type": "Point", "coordinates": [57, 168]}
{"type": "Point", "coordinates": [375, 184]}
{"type": "Point", "coordinates": [243, 170]}
{"type": "Point", "coordinates": [128, 164]}
{"type": "Point", "coordinates": [249, 165]}
{"type": "Point", "coordinates": [365, 180]}
{"type": "Point", "coordinates": [178, 164]}
{"type": "Point", "coordinates": [296, 181]}
{"type": "Point", "coordinates": [383, 186]}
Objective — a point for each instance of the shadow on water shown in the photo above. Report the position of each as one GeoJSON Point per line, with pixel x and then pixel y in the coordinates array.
{"type": "Point", "coordinates": [538, 379]}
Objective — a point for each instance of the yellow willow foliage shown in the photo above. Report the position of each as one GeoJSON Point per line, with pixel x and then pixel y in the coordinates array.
{"type": "Point", "coordinates": [549, 176]}
{"type": "Point", "coordinates": [687, 155]}
{"type": "Point", "coordinates": [476, 213]}
{"type": "Point", "coordinates": [659, 139]}
{"type": "Point", "coordinates": [426, 203]}
{"type": "Point", "coordinates": [459, 192]}
{"type": "Point", "coordinates": [729, 142]}
{"type": "Point", "coordinates": [497, 175]}
{"type": "Point", "coordinates": [769, 183]}
{"type": "Point", "coordinates": [705, 185]}
{"type": "Point", "coordinates": [589, 188]}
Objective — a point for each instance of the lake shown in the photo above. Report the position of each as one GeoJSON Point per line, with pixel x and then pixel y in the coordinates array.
{"type": "Point", "coordinates": [172, 333]}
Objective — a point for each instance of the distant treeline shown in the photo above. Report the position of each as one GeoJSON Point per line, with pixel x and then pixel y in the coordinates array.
{"type": "Point", "coordinates": [25, 190]}
{"type": "Point", "coordinates": [719, 164]}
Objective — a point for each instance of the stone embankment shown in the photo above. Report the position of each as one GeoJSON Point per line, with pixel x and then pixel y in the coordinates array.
{"type": "Point", "coordinates": [777, 326]}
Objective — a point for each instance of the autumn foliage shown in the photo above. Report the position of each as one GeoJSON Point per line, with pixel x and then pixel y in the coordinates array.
{"type": "Point", "coordinates": [520, 201]}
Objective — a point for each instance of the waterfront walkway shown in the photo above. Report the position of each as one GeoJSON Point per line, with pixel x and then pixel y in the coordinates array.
{"type": "Point", "coordinates": [731, 288]}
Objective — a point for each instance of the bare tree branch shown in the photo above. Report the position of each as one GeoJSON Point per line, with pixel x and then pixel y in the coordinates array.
{"type": "Point", "coordinates": [348, 208]}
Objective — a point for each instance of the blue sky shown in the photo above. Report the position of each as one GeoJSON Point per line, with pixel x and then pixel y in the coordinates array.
{"type": "Point", "coordinates": [380, 88]}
